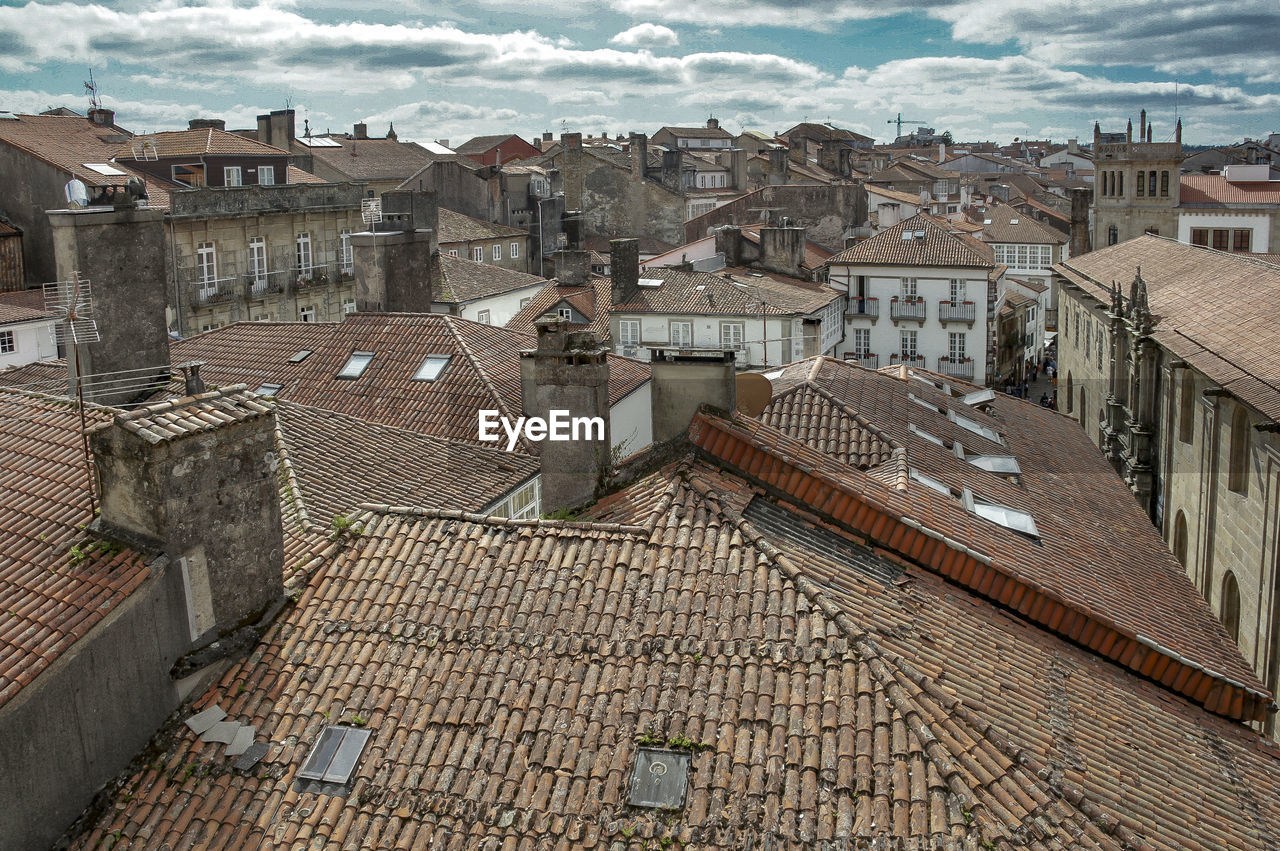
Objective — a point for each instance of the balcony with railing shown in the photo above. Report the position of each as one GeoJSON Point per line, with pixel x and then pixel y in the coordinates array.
{"type": "Point", "coordinates": [205, 291]}
{"type": "Point", "coordinates": [863, 308]}
{"type": "Point", "coordinates": [863, 359]}
{"type": "Point", "coordinates": [956, 367]}
{"type": "Point", "coordinates": [910, 309]}
{"type": "Point", "coordinates": [956, 311]}
{"type": "Point", "coordinates": [268, 283]}
{"type": "Point", "coordinates": [909, 359]}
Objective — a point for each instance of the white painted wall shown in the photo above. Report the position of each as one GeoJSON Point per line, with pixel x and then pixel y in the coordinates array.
{"type": "Point", "coordinates": [1260, 223]}
{"type": "Point", "coordinates": [502, 308]}
{"type": "Point", "coordinates": [933, 285]}
{"type": "Point", "coordinates": [770, 341]}
{"type": "Point", "coordinates": [32, 341]}
{"type": "Point", "coordinates": [631, 421]}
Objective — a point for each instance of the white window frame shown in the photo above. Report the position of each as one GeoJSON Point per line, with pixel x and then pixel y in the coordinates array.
{"type": "Point", "coordinates": [959, 291]}
{"type": "Point", "coordinates": [207, 265]}
{"type": "Point", "coordinates": [345, 253]}
{"type": "Point", "coordinates": [910, 289]}
{"type": "Point", "coordinates": [862, 341]}
{"type": "Point", "coordinates": [8, 343]}
{"type": "Point", "coordinates": [258, 260]}
{"type": "Point", "coordinates": [348, 306]}
{"type": "Point", "coordinates": [232, 176]}
{"type": "Point", "coordinates": [477, 254]}
{"type": "Point", "coordinates": [307, 314]}
{"type": "Point", "coordinates": [482, 316]}
{"type": "Point", "coordinates": [266, 175]}
{"type": "Point", "coordinates": [732, 335]}
{"type": "Point", "coordinates": [497, 251]}
{"type": "Point", "coordinates": [909, 343]}
{"type": "Point", "coordinates": [515, 251]}
{"type": "Point", "coordinates": [524, 502]}
{"type": "Point", "coordinates": [629, 332]}
{"type": "Point", "coordinates": [681, 333]}
{"type": "Point", "coordinates": [453, 252]}
{"type": "Point", "coordinates": [565, 313]}
{"type": "Point", "coordinates": [956, 346]}
{"type": "Point", "coordinates": [302, 253]}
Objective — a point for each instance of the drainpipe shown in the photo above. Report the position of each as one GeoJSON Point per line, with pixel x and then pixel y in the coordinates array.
{"type": "Point", "coordinates": [177, 287]}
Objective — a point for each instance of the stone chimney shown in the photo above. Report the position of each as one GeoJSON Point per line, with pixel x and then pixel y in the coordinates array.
{"type": "Point", "coordinates": [394, 268]}
{"type": "Point", "coordinates": [571, 141]}
{"type": "Point", "coordinates": [782, 250]}
{"type": "Point", "coordinates": [684, 382]}
{"type": "Point", "coordinates": [102, 117]}
{"type": "Point", "coordinates": [730, 243]}
{"type": "Point", "coordinates": [360, 131]}
{"type": "Point", "coordinates": [122, 255]}
{"type": "Point", "coordinates": [277, 128]}
{"type": "Point", "coordinates": [639, 156]}
{"type": "Point", "coordinates": [811, 338]}
{"type": "Point", "coordinates": [738, 169]}
{"type": "Point", "coordinates": [672, 166]}
{"type": "Point", "coordinates": [779, 166]}
{"type": "Point", "coordinates": [195, 478]}
{"type": "Point", "coordinates": [624, 265]}
{"type": "Point", "coordinates": [713, 124]}
{"type": "Point", "coordinates": [569, 371]}
{"type": "Point", "coordinates": [206, 124]}
{"type": "Point", "coordinates": [1081, 200]}
{"type": "Point", "coordinates": [573, 267]}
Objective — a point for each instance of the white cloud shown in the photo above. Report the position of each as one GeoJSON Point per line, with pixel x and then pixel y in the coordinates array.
{"type": "Point", "coordinates": [646, 35]}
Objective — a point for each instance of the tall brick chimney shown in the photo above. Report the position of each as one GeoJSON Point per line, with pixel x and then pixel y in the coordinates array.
{"type": "Point", "coordinates": [194, 478]}
{"type": "Point", "coordinates": [624, 265]}
{"type": "Point", "coordinates": [569, 371]}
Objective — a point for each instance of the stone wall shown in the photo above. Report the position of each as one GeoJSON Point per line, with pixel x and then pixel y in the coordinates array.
{"type": "Point", "coordinates": [826, 212]}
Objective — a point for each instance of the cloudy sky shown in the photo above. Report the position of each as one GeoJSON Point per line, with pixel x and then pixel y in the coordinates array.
{"type": "Point", "coordinates": [983, 69]}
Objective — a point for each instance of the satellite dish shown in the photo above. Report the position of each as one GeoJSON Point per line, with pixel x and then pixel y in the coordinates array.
{"type": "Point", "coordinates": [754, 393]}
{"type": "Point", "coordinates": [77, 193]}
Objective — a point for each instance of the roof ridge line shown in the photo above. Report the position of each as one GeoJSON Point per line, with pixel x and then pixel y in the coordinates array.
{"type": "Point", "coordinates": [484, 376]}
{"type": "Point", "coordinates": [490, 520]}
{"type": "Point", "coordinates": [850, 410]}
{"type": "Point", "coordinates": [884, 664]}
{"type": "Point", "coordinates": [292, 486]}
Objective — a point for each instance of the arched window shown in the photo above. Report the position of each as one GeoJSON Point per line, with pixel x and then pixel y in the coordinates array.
{"type": "Point", "coordinates": [1238, 477]}
{"type": "Point", "coordinates": [1229, 605]}
{"type": "Point", "coordinates": [1071, 402]}
{"type": "Point", "coordinates": [1186, 406]}
{"type": "Point", "coordinates": [1180, 537]}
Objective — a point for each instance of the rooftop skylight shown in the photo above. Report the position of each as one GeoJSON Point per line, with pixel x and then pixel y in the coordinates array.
{"type": "Point", "coordinates": [1001, 465]}
{"type": "Point", "coordinates": [300, 356]}
{"type": "Point", "coordinates": [356, 365]}
{"type": "Point", "coordinates": [104, 168]}
{"type": "Point", "coordinates": [975, 427]}
{"type": "Point", "coordinates": [431, 368]}
{"type": "Point", "coordinates": [979, 397]}
{"type": "Point", "coordinates": [268, 389]}
{"type": "Point", "coordinates": [1011, 518]}
{"type": "Point", "coordinates": [334, 756]}
{"type": "Point", "coordinates": [926, 436]}
{"type": "Point", "coordinates": [929, 481]}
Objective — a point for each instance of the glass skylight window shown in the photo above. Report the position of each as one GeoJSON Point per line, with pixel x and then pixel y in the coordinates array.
{"type": "Point", "coordinates": [975, 427]}
{"type": "Point", "coordinates": [928, 481]}
{"type": "Point", "coordinates": [104, 168]}
{"type": "Point", "coordinates": [1010, 518]}
{"type": "Point", "coordinates": [925, 403]}
{"type": "Point", "coordinates": [431, 368]}
{"type": "Point", "coordinates": [268, 389]}
{"type": "Point", "coordinates": [356, 365]}
{"type": "Point", "coordinates": [979, 397]}
{"type": "Point", "coordinates": [334, 756]}
{"type": "Point", "coordinates": [1001, 465]}
{"type": "Point", "coordinates": [926, 436]}
{"type": "Point", "coordinates": [300, 356]}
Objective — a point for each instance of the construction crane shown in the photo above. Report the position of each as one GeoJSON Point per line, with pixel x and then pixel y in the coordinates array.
{"type": "Point", "coordinates": [901, 121]}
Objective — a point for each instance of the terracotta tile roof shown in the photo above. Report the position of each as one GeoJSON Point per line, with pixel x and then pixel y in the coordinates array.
{"type": "Point", "coordinates": [48, 376]}
{"type": "Point", "coordinates": [484, 144]}
{"type": "Point", "coordinates": [51, 596]}
{"type": "Point", "coordinates": [812, 130]}
{"type": "Point", "coordinates": [67, 143]}
{"type": "Point", "coordinates": [506, 671]}
{"type": "Point", "coordinates": [1185, 284]}
{"type": "Point", "coordinates": [1068, 578]}
{"type": "Point", "coordinates": [483, 370]}
{"type": "Point", "coordinates": [697, 132]}
{"type": "Point", "coordinates": [939, 247]}
{"type": "Point", "coordinates": [375, 159]}
{"type": "Point", "coordinates": [583, 299]}
{"type": "Point", "coordinates": [731, 292]}
{"type": "Point", "coordinates": [1011, 226]}
{"type": "Point", "coordinates": [808, 413]}
{"type": "Point", "coordinates": [895, 195]}
{"type": "Point", "coordinates": [184, 143]}
{"type": "Point", "coordinates": [23, 306]}
{"type": "Point", "coordinates": [7, 229]}
{"type": "Point", "coordinates": [456, 227]}
{"type": "Point", "coordinates": [1048, 211]}
{"type": "Point", "coordinates": [338, 462]}
{"type": "Point", "coordinates": [174, 419]}
{"type": "Point", "coordinates": [462, 280]}
{"type": "Point", "coordinates": [297, 175]}
{"type": "Point", "coordinates": [814, 254]}
{"type": "Point", "coordinates": [1215, 190]}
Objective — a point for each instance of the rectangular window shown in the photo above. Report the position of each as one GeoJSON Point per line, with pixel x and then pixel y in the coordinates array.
{"type": "Point", "coordinates": [1164, 184]}
{"type": "Point", "coordinates": [959, 289]}
{"type": "Point", "coordinates": [629, 332]}
{"type": "Point", "coordinates": [515, 250]}
{"type": "Point", "coordinates": [483, 317]}
{"type": "Point", "coordinates": [1221, 239]}
{"type": "Point", "coordinates": [1088, 338]}
{"type": "Point", "coordinates": [682, 334]}
{"type": "Point", "coordinates": [304, 253]}
{"type": "Point", "coordinates": [1099, 347]}
{"type": "Point", "coordinates": [453, 252]}
{"type": "Point", "coordinates": [346, 255]}
{"type": "Point", "coordinates": [1199, 236]}
{"type": "Point", "coordinates": [1241, 240]}
{"type": "Point", "coordinates": [207, 264]}
{"type": "Point", "coordinates": [348, 306]}
{"type": "Point", "coordinates": [955, 346]}
{"type": "Point", "coordinates": [497, 251]}
{"type": "Point", "coordinates": [731, 334]}
{"type": "Point", "coordinates": [231, 176]}
{"type": "Point", "coordinates": [7, 343]}
{"type": "Point", "coordinates": [258, 260]}
{"type": "Point", "coordinates": [266, 175]}
{"type": "Point", "coordinates": [908, 343]}
{"type": "Point", "coordinates": [477, 254]}
{"type": "Point", "coordinates": [356, 365]}
{"type": "Point", "coordinates": [862, 341]}
{"type": "Point", "coordinates": [566, 313]}
{"type": "Point", "coordinates": [307, 314]}
{"type": "Point", "coordinates": [909, 291]}
{"type": "Point", "coordinates": [1077, 339]}
{"type": "Point", "coordinates": [1151, 184]}
{"type": "Point", "coordinates": [1142, 183]}
{"type": "Point", "coordinates": [524, 502]}
{"type": "Point", "coordinates": [431, 368]}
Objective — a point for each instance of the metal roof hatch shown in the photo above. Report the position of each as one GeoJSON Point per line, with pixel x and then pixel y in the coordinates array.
{"type": "Point", "coordinates": [659, 778]}
{"type": "Point", "coordinates": [332, 762]}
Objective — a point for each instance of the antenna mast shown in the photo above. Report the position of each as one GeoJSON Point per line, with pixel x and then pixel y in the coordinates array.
{"type": "Point", "coordinates": [72, 301]}
{"type": "Point", "coordinates": [91, 89]}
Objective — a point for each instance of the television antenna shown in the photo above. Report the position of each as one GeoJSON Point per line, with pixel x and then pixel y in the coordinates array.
{"type": "Point", "coordinates": [72, 303]}
{"type": "Point", "coordinates": [91, 89]}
